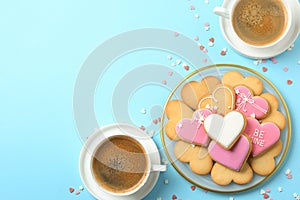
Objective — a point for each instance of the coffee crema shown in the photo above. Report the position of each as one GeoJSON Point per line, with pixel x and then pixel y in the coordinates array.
{"type": "Point", "coordinates": [260, 22]}
{"type": "Point", "coordinates": [119, 165]}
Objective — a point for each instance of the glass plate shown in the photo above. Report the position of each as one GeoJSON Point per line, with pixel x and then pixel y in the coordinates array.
{"type": "Point", "coordinates": [206, 182]}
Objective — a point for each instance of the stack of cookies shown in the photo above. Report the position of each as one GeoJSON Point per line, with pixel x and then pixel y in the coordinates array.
{"type": "Point", "coordinates": [227, 128]}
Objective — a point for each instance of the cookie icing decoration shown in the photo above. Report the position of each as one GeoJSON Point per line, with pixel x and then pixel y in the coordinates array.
{"type": "Point", "coordinates": [233, 158]}
{"type": "Point", "coordinates": [250, 105]}
{"type": "Point", "coordinates": [221, 101]}
{"type": "Point", "coordinates": [192, 130]}
{"type": "Point", "coordinates": [225, 130]}
{"type": "Point", "coordinates": [263, 136]}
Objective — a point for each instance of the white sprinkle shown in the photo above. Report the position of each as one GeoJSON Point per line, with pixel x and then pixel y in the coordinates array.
{"type": "Point", "coordinates": [173, 64]}
{"type": "Point", "coordinates": [262, 191]}
{"type": "Point", "coordinates": [298, 198]}
{"type": "Point", "coordinates": [295, 195]}
{"type": "Point", "coordinates": [288, 171]}
{"type": "Point", "coordinates": [255, 62]}
{"type": "Point", "coordinates": [252, 115]}
{"type": "Point", "coordinates": [206, 1]}
{"type": "Point", "coordinates": [81, 188]}
{"type": "Point", "coordinates": [143, 111]}
{"type": "Point", "coordinates": [231, 198]}
{"type": "Point", "coordinates": [215, 108]}
{"type": "Point", "coordinates": [151, 133]}
{"type": "Point", "coordinates": [224, 49]}
{"type": "Point", "coordinates": [293, 45]}
{"type": "Point", "coordinates": [158, 198]}
{"type": "Point", "coordinates": [298, 62]}
{"type": "Point", "coordinates": [169, 57]}
{"type": "Point", "coordinates": [178, 61]}
{"type": "Point", "coordinates": [279, 189]}
{"type": "Point", "coordinates": [166, 181]}
{"type": "Point", "coordinates": [193, 146]}
{"type": "Point", "coordinates": [164, 161]}
{"type": "Point", "coordinates": [184, 64]}
{"type": "Point", "coordinates": [211, 44]}
{"type": "Point", "coordinates": [197, 16]}
{"type": "Point", "coordinates": [199, 44]}
{"type": "Point", "coordinates": [206, 28]}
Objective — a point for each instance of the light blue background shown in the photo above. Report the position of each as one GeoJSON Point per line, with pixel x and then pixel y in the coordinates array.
{"type": "Point", "coordinates": [42, 47]}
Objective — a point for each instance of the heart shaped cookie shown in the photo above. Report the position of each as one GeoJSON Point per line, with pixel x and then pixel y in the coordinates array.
{"type": "Point", "coordinates": [251, 106]}
{"type": "Point", "coordinates": [224, 176]}
{"type": "Point", "coordinates": [192, 130]}
{"type": "Point", "coordinates": [274, 115]}
{"type": "Point", "coordinates": [225, 130]}
{"type": "Point", "coordinates": [175, 111]}
{"type": "Point", "coordinates": [193, 91]}
{"type": "Point", "coordinates": [221, 101]}
{"type": "Point", "coordinates": [197, 157]}
{"type": "Point", "coordinates": [233, 158]}
{"type": "Point", "coordinates": [235, 78]}
{"type": "Point", "coordinates": [263, 136]}
{"type": "Point", "coordinates": [264, 164]}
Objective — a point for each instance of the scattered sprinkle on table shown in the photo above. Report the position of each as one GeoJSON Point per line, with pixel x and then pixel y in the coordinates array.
{"type": "Point", "coordinates": [142, 127]}
{"type": "Point", "coordinates": [192, 7]}
{"type": "Point", "coordinates": [170, 73]}
{"type": "Point", "coordinates": [289, 82]}
{"type": "Point", "coordinates": [143, 111]}
{"type": "Point", "coordinates": [169, 57]}
{"type": "Point", "coordinates": [164, 82]}
{"type": "Point", "coordinates": [71, 190]}
{"type": "Point", "coordinates": [193, 187]}
{"type": "Point", "coordinates": [176, 34]}
{"type": "Point", "coordinates": [81, 188]}
{"type": "Point", "coordinates": [264, 69]}
{"type": "Point", "coordinates": [285, 69]}
{"type": "Point", "coordinates": [197, 16]}
{"type": "Point", "coordinates": [279, 189]}
{"type": "Point", "coordinates": [166, 181]}
{"type": "Point", "coordinates": [178, 61]}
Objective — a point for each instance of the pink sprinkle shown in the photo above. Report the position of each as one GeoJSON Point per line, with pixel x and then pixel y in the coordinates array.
{"type": "Point", "coordinates": [77, 192]}
{"type": "Point", "coordinates": [206, 24]}
{"type": "Point", "coordinates": [192, 7]}
{"type": "Point", "coordinates": [176, 34]}
{"type": "Point", "coordinates": [271, 198]}
{"type": "Point", "coordinates": [289, 176]}
{"type": "Point", "coordinates": [164, 82]}
{"type": "Point", "coordinates": [204, 60]}
{"type": "Point", "coordinates": [205, 50]}
{"type": "Point", "coordinates": [196, 38]}
{"type": "Point", "coordinates": [170, 73]}
{"type": "Point", "coordinates": [268, 190]}
{"type": "Point", "coordinates": [273, 60]}
{"type": "Point", "coordinates": [285, 69]}
{"type": "Point", "coordinates": [263, 60]}
{"type": "Point", "coordinates": [155, 121]}
{"type": "Point", "coordinates": [159, 119]}
{"type": "Point", "coordinates": [205, 191]}
{"type": "Point", "coordinates": [142, 127]}
{"type": "Point", "coordinates": [289, 82]}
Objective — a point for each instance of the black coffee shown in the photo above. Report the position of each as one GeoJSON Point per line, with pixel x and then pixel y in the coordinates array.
{"type": "Point", "coordinates": [259, 22]}
{"type": "Point", "coordinates": [119, 165]}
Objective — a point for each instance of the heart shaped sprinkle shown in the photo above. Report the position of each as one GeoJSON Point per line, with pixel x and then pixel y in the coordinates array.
{"type": "Point", "coordinates": [71, 190]}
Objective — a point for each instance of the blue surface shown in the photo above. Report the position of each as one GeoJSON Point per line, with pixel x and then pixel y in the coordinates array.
{"type": "Point", "coordinates": [42, 47]}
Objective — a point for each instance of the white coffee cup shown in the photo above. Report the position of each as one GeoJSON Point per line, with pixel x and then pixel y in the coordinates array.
{"type": "Point", "coordinates": [292, 29]}
{"type": "Point", "coordinates": [98, 138]}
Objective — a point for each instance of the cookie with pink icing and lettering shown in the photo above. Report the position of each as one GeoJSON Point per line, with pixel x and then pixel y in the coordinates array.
{"type": "Point", "coordinates": [233, 158]}
{"type": "Point", "coordinates": [192, 130]}
{"type": "Point", "coordinates": [225, 130]}
{"type": "Point", "coordinates": [263, 136]}
{"type": "Point", "coordinates": [250, 105]}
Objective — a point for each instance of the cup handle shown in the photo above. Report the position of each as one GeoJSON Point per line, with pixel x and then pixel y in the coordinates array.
{"type": "Point", "coordinates": [160, 168]}
{"type": "Point", "coordinates": [222, 12]}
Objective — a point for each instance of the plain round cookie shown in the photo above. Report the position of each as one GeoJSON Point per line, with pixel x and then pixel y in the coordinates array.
{"type": "Point", "coordinates": [224, 176]}
{"type": "Point", "coordinates": [197, 157]}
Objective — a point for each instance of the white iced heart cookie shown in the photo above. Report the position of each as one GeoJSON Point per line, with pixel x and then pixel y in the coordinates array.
{"type": "Point", "coordinates": [225, 130]}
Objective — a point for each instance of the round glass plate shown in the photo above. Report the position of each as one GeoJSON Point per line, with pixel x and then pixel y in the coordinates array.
{"type": "Point", "coordinates": [206, 182]}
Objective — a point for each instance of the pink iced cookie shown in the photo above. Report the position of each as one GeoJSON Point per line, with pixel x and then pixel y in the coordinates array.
{"type": "Point", "coordinates": [249, 105]}
{"type": "Point", "coordinates": [233, 158]}
{"type": "Point", "coordinates": [191, 130]}
{"type": "Point", "coordinates": [263, 136]}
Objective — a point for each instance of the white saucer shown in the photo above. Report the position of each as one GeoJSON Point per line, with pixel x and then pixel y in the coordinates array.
{"type": "Point", "coordinates": [107, 131]}
{"type": "Point", "coordinates": [266, 52]}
